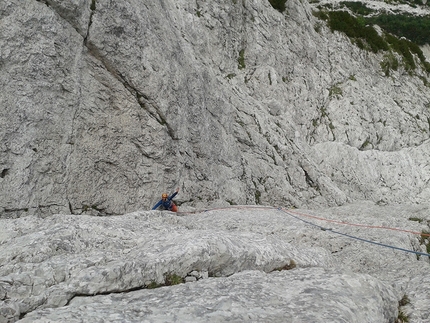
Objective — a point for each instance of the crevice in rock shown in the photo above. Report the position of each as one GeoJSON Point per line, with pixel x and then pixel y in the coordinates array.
{"type": "Point", "coordinates": [169, 280]}
{"type": "Point", "coordinates": [38, 207]}
{"type": "Point", "coordinates": [142, 99]}
{"type": "Point", "coordinates": [71, 208]}
{"type": "Point", "coordinates": [90, 21]}
{"type": "Point", "coordinates": [139, 147]}
{"type": "Point", "coordinates": [16, 210]}
{"type": "Point", "coordinates": [310, 181]}
{"type": "Point", "coordinates": [115, 291]}
{"type": "Point", "coordinates": [146, 104]}
{"type": "Point", "coordinates": [4, 172]}
{"type": "Point", "coordinates": [44, 2]}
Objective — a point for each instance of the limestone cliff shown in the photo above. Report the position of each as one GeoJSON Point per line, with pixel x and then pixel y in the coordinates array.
{"type": "Point", "coordinates": [107, 103]}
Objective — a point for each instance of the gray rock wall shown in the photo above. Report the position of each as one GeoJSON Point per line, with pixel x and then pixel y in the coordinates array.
{"type": "Point", "coordinates": [106, 104]}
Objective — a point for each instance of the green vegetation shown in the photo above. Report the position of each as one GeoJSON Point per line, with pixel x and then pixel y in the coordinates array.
{"type": "Point", "coordinates": [257, 196]}
{"type": "Point", "coordinates": [335, 91]}
{"type": "Point", "coordinates": [402, 317]}
{"type": "Point", "coordinates": [278, 4]}
{"type": "Point", "coordinates": [365, 144]}
{"type": "Point", "coordinates": [321, 14]}
{"type": "Point", "coordinates": [198, 10]}
{"type": "Point", "coordinates": [356, 7]}
{"type": "Point", "coordinates": [95, 207]}
{"type": "Point", "coordinates": [352, 77]}
{"type": "Point", "coordinates": [416, 219]}
{"type": "Point", "coordinates": [401, 46]}
{"type": "Point", "coordinates": [366, 37]}
{"type": "Point", "coordinates": [153, 285]}
{"type": "Point", "coordinates": [173, 279]}
{"type": "Point", "coordinates": [169, 280]}
{"type": "Point", "coordinates": [414, 28]}
{"type": "Point", "coordinates": [388, 63]}
{"type": "Point", "coordinates": [406, 48]}
{"type": "Point", "coordinates": [359, 29]}
{"type": "Point", "coordinates": [404, 301]}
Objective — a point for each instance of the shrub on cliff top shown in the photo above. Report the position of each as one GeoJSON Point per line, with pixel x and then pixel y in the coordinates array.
{"type": "Point", "coordinates": [356, 30]}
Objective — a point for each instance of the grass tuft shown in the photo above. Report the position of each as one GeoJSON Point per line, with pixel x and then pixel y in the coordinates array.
{"type": "Point", "coordinates": [173, 279]}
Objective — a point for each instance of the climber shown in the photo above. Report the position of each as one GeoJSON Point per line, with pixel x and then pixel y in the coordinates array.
{"type": "Point", "coordinates": [166, 202]}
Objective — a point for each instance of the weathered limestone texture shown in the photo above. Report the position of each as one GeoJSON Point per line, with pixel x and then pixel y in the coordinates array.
{"type": "Point", "coordinates": [105, 104]}
{"type": "Point", "coordinates": [244, 264]}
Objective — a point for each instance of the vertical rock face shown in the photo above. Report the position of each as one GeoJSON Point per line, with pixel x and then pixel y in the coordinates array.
{"type": "Point", "coordinates": [105, 104]}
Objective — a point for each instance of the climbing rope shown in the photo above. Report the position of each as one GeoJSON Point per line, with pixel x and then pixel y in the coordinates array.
{"type": "Point", "coordinates": [360, 225]}
{"type": "Point", "coordinates": [296, 215]}
{"type": "Point", "coordinates": [357, 238]}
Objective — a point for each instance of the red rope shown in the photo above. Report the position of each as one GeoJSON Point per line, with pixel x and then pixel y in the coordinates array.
{"type": "Point", "coordinates": [422, 234]}
{"type": "Point", "coordinates": [359, 225]}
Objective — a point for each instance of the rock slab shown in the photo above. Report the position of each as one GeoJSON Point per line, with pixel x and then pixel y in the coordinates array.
{"type": "Point", "coordinates": [248, 264]}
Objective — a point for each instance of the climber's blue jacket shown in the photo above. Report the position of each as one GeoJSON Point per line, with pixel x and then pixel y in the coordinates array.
{"type": "Point", "coordinates": [167, 204]}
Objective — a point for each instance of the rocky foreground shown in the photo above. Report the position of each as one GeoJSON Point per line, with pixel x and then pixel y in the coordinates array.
{"type": "Point", "coordinates": [238, 264]}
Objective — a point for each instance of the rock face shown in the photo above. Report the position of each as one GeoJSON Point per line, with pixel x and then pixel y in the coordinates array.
{"type": "Point", "coordinates": [249, 264]}
{"type": "Point", "coordinates": [105, 104]}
